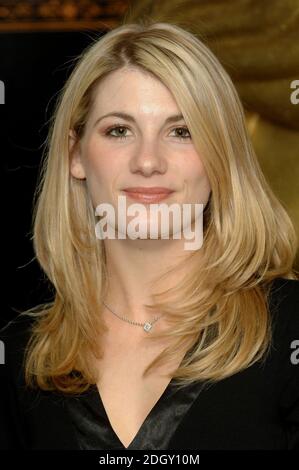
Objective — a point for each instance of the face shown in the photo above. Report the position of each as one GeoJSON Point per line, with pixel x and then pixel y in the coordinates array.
{"type": "Point", "coordinates": [144, 150]}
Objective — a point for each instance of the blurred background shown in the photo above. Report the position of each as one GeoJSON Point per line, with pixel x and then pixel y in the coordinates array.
{"type": "Point", "coordinates": [256, 41]}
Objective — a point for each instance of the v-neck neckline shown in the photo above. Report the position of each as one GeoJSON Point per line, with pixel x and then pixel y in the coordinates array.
{"type": "Point", "coordinates": [90, 418]}
{"type": "Point", "coordinates": [171, 388]}
{"type": "Point", "coordinates": [93, 429]}
{"type": "Point", "coordinates": [147, 420]}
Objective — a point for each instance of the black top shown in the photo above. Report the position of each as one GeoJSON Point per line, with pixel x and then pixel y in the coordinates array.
{"type": "Point", "coordinates": [257, 408]}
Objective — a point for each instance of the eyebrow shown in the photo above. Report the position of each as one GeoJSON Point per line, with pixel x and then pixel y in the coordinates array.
{"type": "Point", "coordinates": [128, 117]}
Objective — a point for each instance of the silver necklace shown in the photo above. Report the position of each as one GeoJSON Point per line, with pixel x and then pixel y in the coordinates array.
{"type": "Point", "coordinates": [147, 326]}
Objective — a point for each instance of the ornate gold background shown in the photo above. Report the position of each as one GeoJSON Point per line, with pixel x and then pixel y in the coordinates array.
{"type": "Point", "coordinates": [62, 15]}
{"type": "Point", "coordinates": [258, 44]}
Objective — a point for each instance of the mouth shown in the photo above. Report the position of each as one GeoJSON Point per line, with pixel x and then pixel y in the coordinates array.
{"type": "Point", "coordinates": [148, 195]}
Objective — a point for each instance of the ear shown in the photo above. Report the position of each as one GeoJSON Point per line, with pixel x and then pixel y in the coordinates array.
{"type": "Point", "coordinates": [76, 166]}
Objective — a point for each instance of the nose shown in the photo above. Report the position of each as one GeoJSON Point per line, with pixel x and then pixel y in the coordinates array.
{"type": "Point", "coordinates": [148, 159]}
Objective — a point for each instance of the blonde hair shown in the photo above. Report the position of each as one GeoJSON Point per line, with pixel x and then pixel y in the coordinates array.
{"type": "Point", "coordinates": [220, 308]}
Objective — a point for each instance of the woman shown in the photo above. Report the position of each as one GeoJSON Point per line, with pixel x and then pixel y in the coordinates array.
{"type": "Point", "coordinates": [148, 345]}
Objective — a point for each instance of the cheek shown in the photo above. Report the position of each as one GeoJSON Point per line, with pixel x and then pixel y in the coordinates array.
{"type": "Point", "coordinates": [102, 172]}
{"type": "Point", "coordinates": [100, 164]}
{"type": "Point", "coordinates": [196, 179]}
{"type": "Point", "coordinates": [193, 169]}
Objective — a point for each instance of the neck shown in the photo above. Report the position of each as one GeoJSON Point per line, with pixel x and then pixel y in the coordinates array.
{"type": "Point", "coordinates": [133, 266]}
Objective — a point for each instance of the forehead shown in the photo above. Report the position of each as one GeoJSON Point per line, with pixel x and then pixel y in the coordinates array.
{"type": "Point", "coordinates": [127, 87]}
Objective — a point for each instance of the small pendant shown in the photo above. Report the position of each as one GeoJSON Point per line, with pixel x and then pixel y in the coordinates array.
{"type": "Point", "coordinates": [147, 326]}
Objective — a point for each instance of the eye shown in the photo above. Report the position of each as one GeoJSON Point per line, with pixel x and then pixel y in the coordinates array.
{"type": "Point", "coordinates": [182, 136]}
{"type": "Point", "coordinates": [116, 128]}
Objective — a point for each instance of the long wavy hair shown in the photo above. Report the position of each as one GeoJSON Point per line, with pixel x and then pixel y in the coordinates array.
{"type": "Point", "coordinates": [219, 311]}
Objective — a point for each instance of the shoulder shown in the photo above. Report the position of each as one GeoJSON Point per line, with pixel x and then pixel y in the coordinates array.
{"type": "Point", "coordinates": [284, 301]}
{"type": "Point", "coordinates": [284, 310]}
{"type": "Point", "coordinates": [285, 289]}
{"type": "Point", "coordinates": [284, 306]}
{"type": "Point", "coordinates": [17, 328]}
{"type": "Point", "coordinates": [14, 338]}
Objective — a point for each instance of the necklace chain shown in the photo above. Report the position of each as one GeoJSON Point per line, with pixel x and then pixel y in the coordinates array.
{"type": "Point", "coordinates": [146, 325]}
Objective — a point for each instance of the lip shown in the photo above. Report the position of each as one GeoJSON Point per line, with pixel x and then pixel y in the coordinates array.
{"type": "Point", "coordinates": [148, 194]}
{"type": "Point", "coordinates": [149, 190]}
